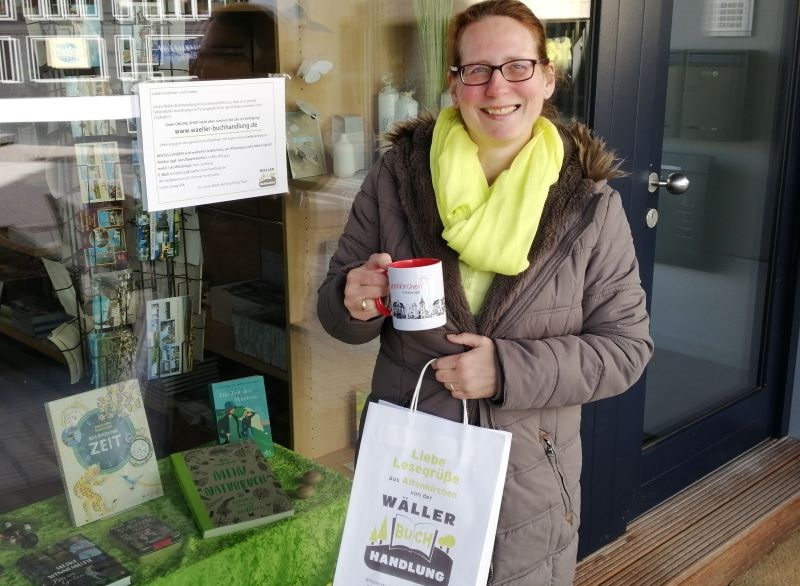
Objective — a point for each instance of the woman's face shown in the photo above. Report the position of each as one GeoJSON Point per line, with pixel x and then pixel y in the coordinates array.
{"type": "Point", "coordinates": [500, 113]}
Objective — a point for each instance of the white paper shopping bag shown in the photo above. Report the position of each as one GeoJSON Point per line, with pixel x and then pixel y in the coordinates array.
{"type": "Point", "coordinates": [425, 500]}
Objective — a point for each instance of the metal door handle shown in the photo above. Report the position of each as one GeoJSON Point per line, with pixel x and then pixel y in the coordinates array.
{"type": "Point", "coordinates": [676, 183]}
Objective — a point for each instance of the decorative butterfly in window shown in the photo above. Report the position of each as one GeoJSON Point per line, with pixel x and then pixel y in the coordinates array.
{"type": "Point", "coordinates": [311, 70]}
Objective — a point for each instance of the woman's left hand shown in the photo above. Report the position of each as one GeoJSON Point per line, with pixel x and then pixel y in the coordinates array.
{"type": "Point", "coordinates": [471, 374]}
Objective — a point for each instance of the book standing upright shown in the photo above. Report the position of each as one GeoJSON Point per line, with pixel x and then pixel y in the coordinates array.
{"type": "Point", "coordinates": [105, 451]}
{"type": "Point", "coordinates": [241, 412]}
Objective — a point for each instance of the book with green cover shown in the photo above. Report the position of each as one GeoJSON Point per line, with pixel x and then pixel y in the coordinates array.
{"type": "Point", "coordinates": [241, 412]}
{"type": "Point", "coordinates": [229, 488]}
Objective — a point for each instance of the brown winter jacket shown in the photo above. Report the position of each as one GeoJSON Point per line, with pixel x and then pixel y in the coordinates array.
{"type": "Point", "coordinates": [570, 329]}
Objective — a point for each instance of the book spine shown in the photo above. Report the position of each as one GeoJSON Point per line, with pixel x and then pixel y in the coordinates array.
{"type": "Point", "coordinates": [63, 473]}
{"type": "Point", "coordinates": [190, 493]}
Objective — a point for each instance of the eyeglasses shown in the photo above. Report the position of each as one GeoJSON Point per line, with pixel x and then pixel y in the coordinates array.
{"type": "Point", "coordinates": [481, 73]}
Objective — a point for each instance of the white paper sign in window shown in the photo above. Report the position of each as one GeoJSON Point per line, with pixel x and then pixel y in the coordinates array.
{"type": "Point", "coordinates": [212, 141]}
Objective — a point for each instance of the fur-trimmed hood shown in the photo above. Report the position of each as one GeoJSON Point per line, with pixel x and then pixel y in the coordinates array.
{"type": "Point", "coordinates": [586, 168]}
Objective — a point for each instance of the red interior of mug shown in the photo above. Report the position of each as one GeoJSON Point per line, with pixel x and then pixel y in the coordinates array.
{"type": "Point", "coordinates": [413, 263]}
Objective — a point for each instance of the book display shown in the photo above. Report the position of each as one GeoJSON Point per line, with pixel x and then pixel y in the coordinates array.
{"type": "Point", "coordinates": [241, 412]}
{"type": "Point", "coordinates": [105, 451]}
{"type": "Point", "coordinates": [230, 488]}
{"type": "Point", "coordinates": [158, 542]}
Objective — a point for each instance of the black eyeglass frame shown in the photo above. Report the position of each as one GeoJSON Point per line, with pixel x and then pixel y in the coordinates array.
{"type": "Point", "coordinates": [460, 70]}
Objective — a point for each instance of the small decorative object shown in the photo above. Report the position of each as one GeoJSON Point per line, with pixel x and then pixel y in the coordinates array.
{"type": "Point", "coordinates": [309, 109]}
{"type": "Point", "coordinates": [305, 491]}
{"type": "Point", "coordinates": [311, 70]}
{"type": "Point", "coordinates": [407, 107]}
{"type": "Point", "coordinates": [351, 125]}
{"type": "Point", "coordinates": [387, 100]}
{"type": "Point", "coordinates": [312, 477]}
{"type": "Point", "coordinates": [344, 157]}
{"type": "Point", "coordinates": [16, 534]}
{"type": "Point", "coordinates": [304, 144]}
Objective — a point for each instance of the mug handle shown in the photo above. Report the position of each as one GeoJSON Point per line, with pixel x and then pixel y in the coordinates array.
{"type": "Point", "coordinates": [381, 307]}
{"type": "Point", "coordinates": [379, 304]}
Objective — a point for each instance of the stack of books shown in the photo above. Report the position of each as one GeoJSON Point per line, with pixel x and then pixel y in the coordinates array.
{"type": "Point", "coordinates": [35, 316]}
{"type": "Point", "coordinates": [161, 393]}
{"type": "Point", "coordinates": [262, 335]}
{"type": "Point", "coordinates": [245, 297]}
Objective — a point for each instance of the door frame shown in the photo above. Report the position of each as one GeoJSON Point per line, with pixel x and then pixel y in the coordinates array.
{"type": "Point", "coordinates": [620, 480]}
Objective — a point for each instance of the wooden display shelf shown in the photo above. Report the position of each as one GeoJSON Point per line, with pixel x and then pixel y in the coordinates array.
{"type": "Point", "coordinates": [219, 339]}
{"type": "Point", "coordinates": [341, 460]}
{"type": "Point", "coordinates": [39, 344]}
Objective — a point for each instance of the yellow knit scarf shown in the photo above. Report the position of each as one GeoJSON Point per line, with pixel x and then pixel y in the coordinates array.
{"type": "Point", "coordinates": [492, 228]}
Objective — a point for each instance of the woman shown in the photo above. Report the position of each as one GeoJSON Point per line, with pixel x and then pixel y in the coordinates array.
{"type": "Point", "coordinates": [545, 308]}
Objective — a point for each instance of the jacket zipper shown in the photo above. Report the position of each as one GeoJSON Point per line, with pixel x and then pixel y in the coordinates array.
{"type": "Point", "coordinates": [561, 252]}
{"type": "Point", "coordinates": [552, 457]}
{"type": "Point", "coordinates": [490, 579]}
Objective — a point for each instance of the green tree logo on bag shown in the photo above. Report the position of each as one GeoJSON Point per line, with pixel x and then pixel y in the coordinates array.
{"type": "Point", "coordinates": [415, 550]}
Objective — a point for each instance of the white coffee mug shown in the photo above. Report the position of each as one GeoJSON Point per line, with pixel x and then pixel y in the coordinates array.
{"type": "Point", "coordinates": [416, 294]}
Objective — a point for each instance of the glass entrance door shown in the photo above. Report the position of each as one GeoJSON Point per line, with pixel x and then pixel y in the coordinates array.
{"type": "Point", "coordinates": [713, 241]}
{"type": "Point", "coordinates": [711, 250]}
{"type": "Point", "coordinates": [696, 91]}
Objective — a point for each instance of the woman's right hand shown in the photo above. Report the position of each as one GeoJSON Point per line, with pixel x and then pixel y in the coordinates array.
{"type": "Point", "coordinates": [366, 283]}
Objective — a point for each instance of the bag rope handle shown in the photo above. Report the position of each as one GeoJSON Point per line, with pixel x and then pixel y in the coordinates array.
{"type": "Point", "coordinates": [415, 398]}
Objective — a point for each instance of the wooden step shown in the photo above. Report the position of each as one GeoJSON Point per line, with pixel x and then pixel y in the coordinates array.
{"type": "Point", "coordinates": [712, 531]}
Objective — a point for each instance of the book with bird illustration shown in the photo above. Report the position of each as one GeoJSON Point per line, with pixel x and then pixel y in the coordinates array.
{"type": "Point", "coordinates": [229, 488]}
{"type": "Point", "coordinates": [241, 412]}
{"type": "Point", "coordinates": [105, 451]}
